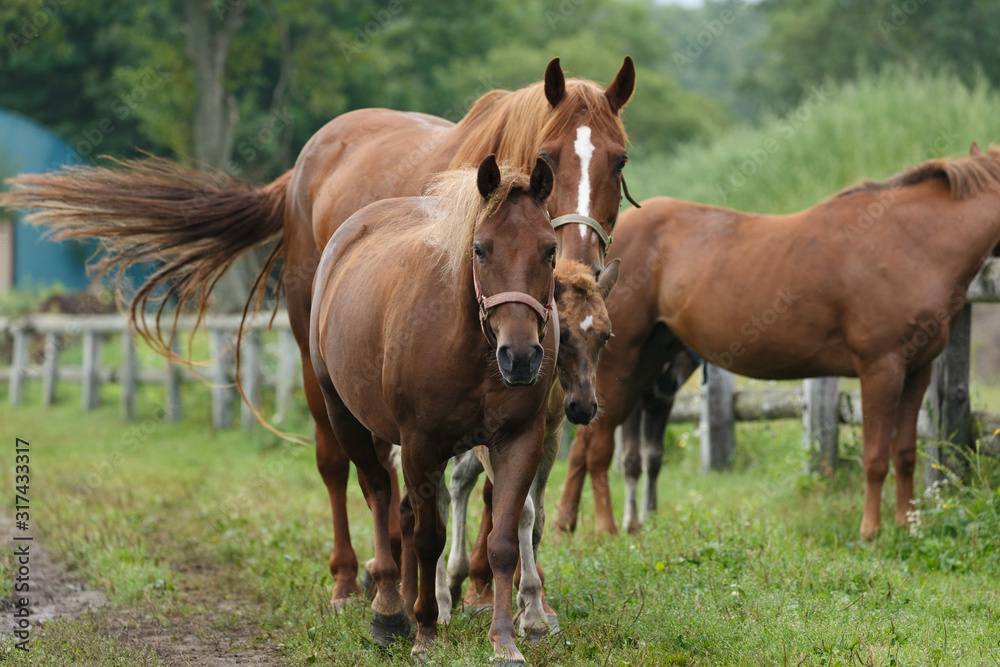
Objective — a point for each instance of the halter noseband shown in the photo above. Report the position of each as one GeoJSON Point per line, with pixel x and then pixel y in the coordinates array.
{"type": "Point", "coordinates": [486, 303]}
{"type": "Point", "coordinates": [576, 218]}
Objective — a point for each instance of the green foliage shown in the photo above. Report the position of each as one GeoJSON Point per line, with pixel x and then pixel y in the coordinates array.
{"type": "Point", "coordinates": [810, 41]}
{"type": "Point", "coordinates": [869, 128]}
{"type": "Point", "coordinates": [955, 523]}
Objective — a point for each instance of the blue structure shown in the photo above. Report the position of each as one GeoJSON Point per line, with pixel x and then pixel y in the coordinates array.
{"type": "Point", "coordinates": [29, 148]}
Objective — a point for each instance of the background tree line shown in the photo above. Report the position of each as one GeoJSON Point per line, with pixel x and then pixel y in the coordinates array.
{"type": "Point", "coordinates": [243, 84]}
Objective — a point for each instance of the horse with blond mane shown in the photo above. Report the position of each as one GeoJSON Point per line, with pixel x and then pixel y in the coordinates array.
{"type": "Point", "coordinates": [197, 224]}
{"type": "Point", "coordinates": [462, 284]}
{"type": "Point", "coordinates": [852, 281]}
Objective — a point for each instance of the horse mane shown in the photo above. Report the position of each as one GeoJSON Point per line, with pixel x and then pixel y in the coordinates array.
{"type": "Point", "coordinates": [574, 274]}
{"type": "Point", "coordinates": [966, 176]}
{"type": "Point", "coordinates": [457, 209]}
{"type": "Point", "coordinates": [514, 125]}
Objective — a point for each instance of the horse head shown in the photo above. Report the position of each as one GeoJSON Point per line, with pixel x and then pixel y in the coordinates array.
{"type": "Point", "coordinates": [514, 250]}
{"type": "Point", "coordinates": [584, 143]}
{"type": "Point", "coordinates": [584, 330]}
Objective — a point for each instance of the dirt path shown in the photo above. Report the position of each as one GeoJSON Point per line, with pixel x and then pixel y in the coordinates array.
{"type": "Point", "coordinates": [218, 632]}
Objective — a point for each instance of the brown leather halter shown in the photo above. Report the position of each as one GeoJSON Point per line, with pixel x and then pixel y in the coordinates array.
{"type": "Point", "coordinates": [486, 303]}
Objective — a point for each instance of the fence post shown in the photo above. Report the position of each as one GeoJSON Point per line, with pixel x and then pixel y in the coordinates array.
{"type": "Point", "coordinates": [50, 374]}
{"type": "Point", "coordinates": [288, 355]}
{"type": "Point", "coordinates": [222, 391]}
{"type": "Point", "coordinates": [19, 365]}
{"type": "Point", "coordinates": [91, 370]}
{"type": "Point", "coordinates": [128, 376]}
{"type": "Point", "coordinates": [820, 405]}
{"type": "Point", "coordinates": [250, 377]}
{"type": "Point", "coordinates": [717, 429]}
{"type": "Point", "coordinates": [172, 387]}
{"type": "Point", "coordinates": [948, 396]}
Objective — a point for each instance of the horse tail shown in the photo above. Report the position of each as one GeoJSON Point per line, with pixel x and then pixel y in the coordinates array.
{"type": "Point", "coordinates": [194, 223]}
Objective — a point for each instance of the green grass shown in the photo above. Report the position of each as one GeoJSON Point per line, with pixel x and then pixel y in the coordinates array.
{"type": "Point", "coordinates": [758, 565]}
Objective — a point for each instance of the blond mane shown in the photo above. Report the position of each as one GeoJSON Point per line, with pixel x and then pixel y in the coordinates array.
{"type": "Point", "coordinates": [514, 125]}
{"type": "Point", "coordinates": [966, 176]}
{"type": "Point", "coordinates": [458, 209]}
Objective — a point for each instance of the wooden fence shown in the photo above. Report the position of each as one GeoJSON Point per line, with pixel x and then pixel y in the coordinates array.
{"type": "Point", "coordinates": [947, 415]}
{"type": "Point", "coordinates": [820, 404]}
{"type": "Point", "coordinates": [57, 330]}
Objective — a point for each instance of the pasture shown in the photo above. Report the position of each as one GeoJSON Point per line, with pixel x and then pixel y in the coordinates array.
{"type": "Point", "coordinates": [759, 565]}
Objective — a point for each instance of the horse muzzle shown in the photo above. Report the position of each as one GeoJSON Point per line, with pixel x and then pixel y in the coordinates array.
{"type": "Point", "coordinates": [520, 365]}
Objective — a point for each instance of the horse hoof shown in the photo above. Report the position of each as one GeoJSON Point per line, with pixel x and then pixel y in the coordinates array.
{"type": "Point", "coordinates": [368, 582]}
{"type": "Point", "coordinates": [534, 635]}
{"type": "Point", "coordinates": [508, 659]}
{"type": "Point", "coordinates": [387, 629]}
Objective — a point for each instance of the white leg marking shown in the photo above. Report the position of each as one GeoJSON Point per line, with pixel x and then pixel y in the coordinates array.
{"type": "Point", "coordinates": [584, 148]}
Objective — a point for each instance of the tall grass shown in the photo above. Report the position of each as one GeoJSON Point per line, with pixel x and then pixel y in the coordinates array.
{"type": "Point", "coordinates": [871, 128]}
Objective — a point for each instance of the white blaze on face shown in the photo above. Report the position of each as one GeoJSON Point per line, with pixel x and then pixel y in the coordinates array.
{"type": "Point", "coordinates": [587, 323]}
{"type": "Point", "coordinates": [584, 148]}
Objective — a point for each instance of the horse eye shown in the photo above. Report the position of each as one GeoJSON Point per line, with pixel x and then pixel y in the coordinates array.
{"type": "Point", "coordinates": [550, 254]}
{"type": "Point", "coordinates": [620, 165]}
{"type": "Point", "coordinates": [478, 251]}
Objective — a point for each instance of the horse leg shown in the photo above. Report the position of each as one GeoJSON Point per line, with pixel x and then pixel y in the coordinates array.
{"type": "Point", "coordinates": [654, 425]}
{"type": "Point", "coordinates": [632, 463]}
{"type": "Point", "coordinates": [881, 389]}
{"type": "Point", "coordinates": [576, 473]}
{"type": "Point", "coordinates": [389, 618]}
{"type": "Point", "coordinates": [334, 467]}
{"type": "Point", "coordinates": [599, 454]}
{"type": "Point", "coordinates": [389, 456]}
{"type": "Point", "coordinates": [533, 623]}
{"type": "Point", "coordinates": [441, 590]}
{"type": "Point", "coordinates": [555, 419]}
{"type": "Point", "coordinates": [408, 565]}
{"type": "Point", "coordinates": [423, 479]}
{"type": "Point", "coordinates": [464, 474]}
{"type": "Point", "coordinates": [514, 463]}
{"type": "Point", "coordinates": [480, 593]}
{"type": "Point", "coordinates": [905, 451]}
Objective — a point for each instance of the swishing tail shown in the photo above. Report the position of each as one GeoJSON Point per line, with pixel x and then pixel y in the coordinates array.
{"type": "Point", "coordinates": [195, 223]}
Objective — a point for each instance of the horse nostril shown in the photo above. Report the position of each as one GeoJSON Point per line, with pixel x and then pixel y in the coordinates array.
{"type": "Point", "coordinates": [537, 355]}
{"type": "Point", "coordinates": [505, 357]}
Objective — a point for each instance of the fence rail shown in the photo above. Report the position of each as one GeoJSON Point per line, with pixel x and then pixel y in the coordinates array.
{"type": "Point", "coordinates": [819, 403]}
{"type": "Point", "coordinates": [57, 329]}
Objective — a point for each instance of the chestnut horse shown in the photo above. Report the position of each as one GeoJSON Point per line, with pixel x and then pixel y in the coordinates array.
{"type": "Point", "coordinates": [584, 329]}
{"type": "Point", "coordinates": [198, 223]}
{"type": "Point", "coordinates": [443, 295]}
{"type": "Point", "coordinates": [866, 284]}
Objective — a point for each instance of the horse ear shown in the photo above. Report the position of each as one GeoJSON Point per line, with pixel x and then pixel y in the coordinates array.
{"type": "Point", "coordinates": [488, 177]}
{"type": "Point", "coordinates": [975, 150]}
{"type": "Point", "coordinates": [609, 276]}
{"type": "Point", "coordinates": [558, 290]}
{"type": "Point", "coordinates": [620, 90]}
{"type": "Point", "coordinates": [555, 83]}
{"type": "Point", "coordinates": [541, 180]}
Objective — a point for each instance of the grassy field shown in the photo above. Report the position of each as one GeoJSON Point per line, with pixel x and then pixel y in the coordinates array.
{"type": "Point", "coordinates": [758, 566]}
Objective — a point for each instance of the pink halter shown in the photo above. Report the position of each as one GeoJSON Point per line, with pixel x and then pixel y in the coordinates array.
{"type": "Point", "coordinates": [488, 302]}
